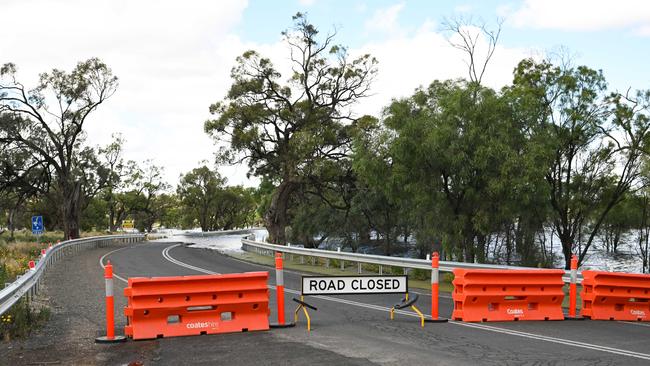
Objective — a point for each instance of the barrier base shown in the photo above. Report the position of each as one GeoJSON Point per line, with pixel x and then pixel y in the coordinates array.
{"type": "Point", "coordinates": [574, 318]}
{"type": "Point", "coordinates": [439, 320]}
{"type": "Point", "coordinates": [287, 325]}
{"type": "Point", "coordinates": [116, 339]}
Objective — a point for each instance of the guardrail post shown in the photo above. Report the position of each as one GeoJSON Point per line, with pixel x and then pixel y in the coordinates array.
{"type": "Point", "coordinates": [381, 270]}
{"type": "Point", "coordinates": [110, 309]}
{"type": "Point", "coordinates": [435, 288]}
{"type": "Point", "coordinates": [342, 261]}
{"type": "Point", "coordinates": [359, 265]}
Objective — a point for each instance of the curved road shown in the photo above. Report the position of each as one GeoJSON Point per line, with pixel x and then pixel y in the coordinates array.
{"type": "Point", "coordinates": [356, 329]}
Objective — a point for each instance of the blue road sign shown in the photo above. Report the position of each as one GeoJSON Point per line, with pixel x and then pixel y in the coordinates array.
{"type": "Point", "coordinates": [37, 225]}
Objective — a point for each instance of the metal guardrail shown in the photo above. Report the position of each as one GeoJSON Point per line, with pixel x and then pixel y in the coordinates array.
{"type": "Point", "coordinates": [445, 266]}
{"type": "Point", "coordinates": [30, 282]}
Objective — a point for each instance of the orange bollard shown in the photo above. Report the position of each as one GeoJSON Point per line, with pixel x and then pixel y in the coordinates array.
{"type": "Point", "coordinates": [279, 292]}
{"type": "Point", "coordinates": [110, 309]}
{"type": "Point", "coordinates": [435, 274]}
{"type": "Point", "coordinates": [279, 288]}
{"type": "Point", "coordinates": [573, 290]}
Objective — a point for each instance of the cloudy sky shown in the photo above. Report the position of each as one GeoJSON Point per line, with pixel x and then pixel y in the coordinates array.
{"type": "Point", "coordinates": [173, 58]}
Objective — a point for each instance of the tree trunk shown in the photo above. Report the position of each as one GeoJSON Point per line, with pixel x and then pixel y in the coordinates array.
{"type": "Point", "coordinates": [480, 248]}
{"type": "Point", "coordinates": [10, 223]}
{"type": "Point", "coordinates": [111, 218]}
{"type": "Point", "coordinates": [566, 251]}
{"type": "Point", "coordinates": [275, 218]}
{"type": "Point", "coordinates": [71, 209]}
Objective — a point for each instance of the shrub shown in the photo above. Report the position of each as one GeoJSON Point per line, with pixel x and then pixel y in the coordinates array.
{"type": "Point", "coordinates": [21, 320]}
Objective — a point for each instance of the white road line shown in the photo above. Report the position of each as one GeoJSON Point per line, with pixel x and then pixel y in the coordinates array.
{"type": "Point", "coordinates": [539, 337]}
{"type": "Point", "coordinates": [165, 254]}
{"type": "Point", "coordinates": [617, 351]}
{"type": "Point", "coordinates": [636, 323]}
{"type": "Point", "coordinates": [101, 262]}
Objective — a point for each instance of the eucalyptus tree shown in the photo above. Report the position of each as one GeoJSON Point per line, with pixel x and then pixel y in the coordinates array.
{"type": "Point", "coordinates": [23, 176]}
{"type": "Point", "coordinates": [594, 142]}
{"type": "Point", "coordinates": [234, 207]}
{"type": "Point", "coordinates": [53, 115]}
{"type": "Point", "coordinates": [288, 131]}
{"type": "Point", "coordinates": [459, 152]}
{"type": "Point", "coordinates": [149, 200]}
{"type": "Point", "coordinates": [120, 177]}
{"type": "Point", "coordinates": [198, 191]}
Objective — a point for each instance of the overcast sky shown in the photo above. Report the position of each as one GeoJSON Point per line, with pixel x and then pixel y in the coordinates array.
{"type": "Point", "coordinates": [173, 58]}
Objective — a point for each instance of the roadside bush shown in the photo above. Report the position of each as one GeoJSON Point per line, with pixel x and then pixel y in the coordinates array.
{"type": "Point", "coordinates": [420, 274]}
{"type": "Point", "coordinates": [21, 320]}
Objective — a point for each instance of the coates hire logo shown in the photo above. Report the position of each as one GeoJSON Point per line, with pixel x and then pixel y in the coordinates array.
{"type": "Point", "coordinates": [201, 325]}
{"type": "Point", "coordinates": [639, 313]}
{"type": "Point", "coordinates": [515, 311]}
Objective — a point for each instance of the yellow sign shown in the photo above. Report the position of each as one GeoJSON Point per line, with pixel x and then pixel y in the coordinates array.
{"type": "Point", "coordinates": [128, 224]}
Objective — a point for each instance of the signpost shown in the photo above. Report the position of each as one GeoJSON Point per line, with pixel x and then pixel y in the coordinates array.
{"type": "Point", "coordinates": [355, 285]}
{"type": "Point", "coordinates": [37, 225]}
{"type": "Point", "coordinates": [352, 285]}
{"type": "Point", "coordinates": [128, 224]}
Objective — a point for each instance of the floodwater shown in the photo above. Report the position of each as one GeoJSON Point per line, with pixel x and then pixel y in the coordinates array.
{"type": "Point", "coordinates": [626, 260]}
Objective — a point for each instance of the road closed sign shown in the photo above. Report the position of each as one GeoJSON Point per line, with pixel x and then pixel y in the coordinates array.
{"type": "Point", "coordinates": [350, 285]}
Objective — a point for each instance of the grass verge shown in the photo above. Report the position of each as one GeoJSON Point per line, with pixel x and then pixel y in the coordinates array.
{"type": "Point", "coordinates": [21, 319]}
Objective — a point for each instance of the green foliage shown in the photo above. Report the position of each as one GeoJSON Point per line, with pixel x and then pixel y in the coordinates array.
{"type": "Point", "coordinates": [584, 134]}
{"type": "Point", "coordinates": [50, 142]}
{"type": "Point", "coordinates": [211, 205]}
{"type": "Point", "coordinates": [291, 134]}
{"type": "Point", "coordinates": [21, 319]}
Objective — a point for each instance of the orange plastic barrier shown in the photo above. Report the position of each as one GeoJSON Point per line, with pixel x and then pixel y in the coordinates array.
{"type": "Point", "coordinates": [506, 295]}
{"type": "Point", "coordinates": [615, 296]}
{"type": "Point", "coordinates": [192, 305]}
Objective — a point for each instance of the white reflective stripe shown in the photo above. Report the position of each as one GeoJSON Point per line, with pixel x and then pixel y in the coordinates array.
{"type": "Point", "coordinates": [434, 275]}
{"type": "Point", "coordinates": [279, 277]}
{"type": "Point", "coordinates": [109, 287]}
{"type": "Point", "coordinates": [574, 276]}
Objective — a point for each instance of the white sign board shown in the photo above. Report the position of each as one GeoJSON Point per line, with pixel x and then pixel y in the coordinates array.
{"type": "Point", "coordinates": [350, 285]}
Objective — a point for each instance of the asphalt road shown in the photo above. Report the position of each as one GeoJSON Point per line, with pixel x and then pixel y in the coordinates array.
{"type": "Point", "coordinates": [359, 327]}
{"type": "Point", "coordinates": [346, 330]}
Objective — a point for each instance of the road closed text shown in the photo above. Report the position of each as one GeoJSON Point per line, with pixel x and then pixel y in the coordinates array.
{"type": "Point", "coordinates": [354, 285]}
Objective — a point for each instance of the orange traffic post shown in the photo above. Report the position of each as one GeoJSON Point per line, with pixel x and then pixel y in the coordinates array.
{"type": "Point", "coordinates": [435, 275]}
{"type": "Point", "coordinates": [279, 292]}
{"type": "Point", "coordinates": [110, 309]}
{"type": "Point", "coordinates": [573, 290]}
